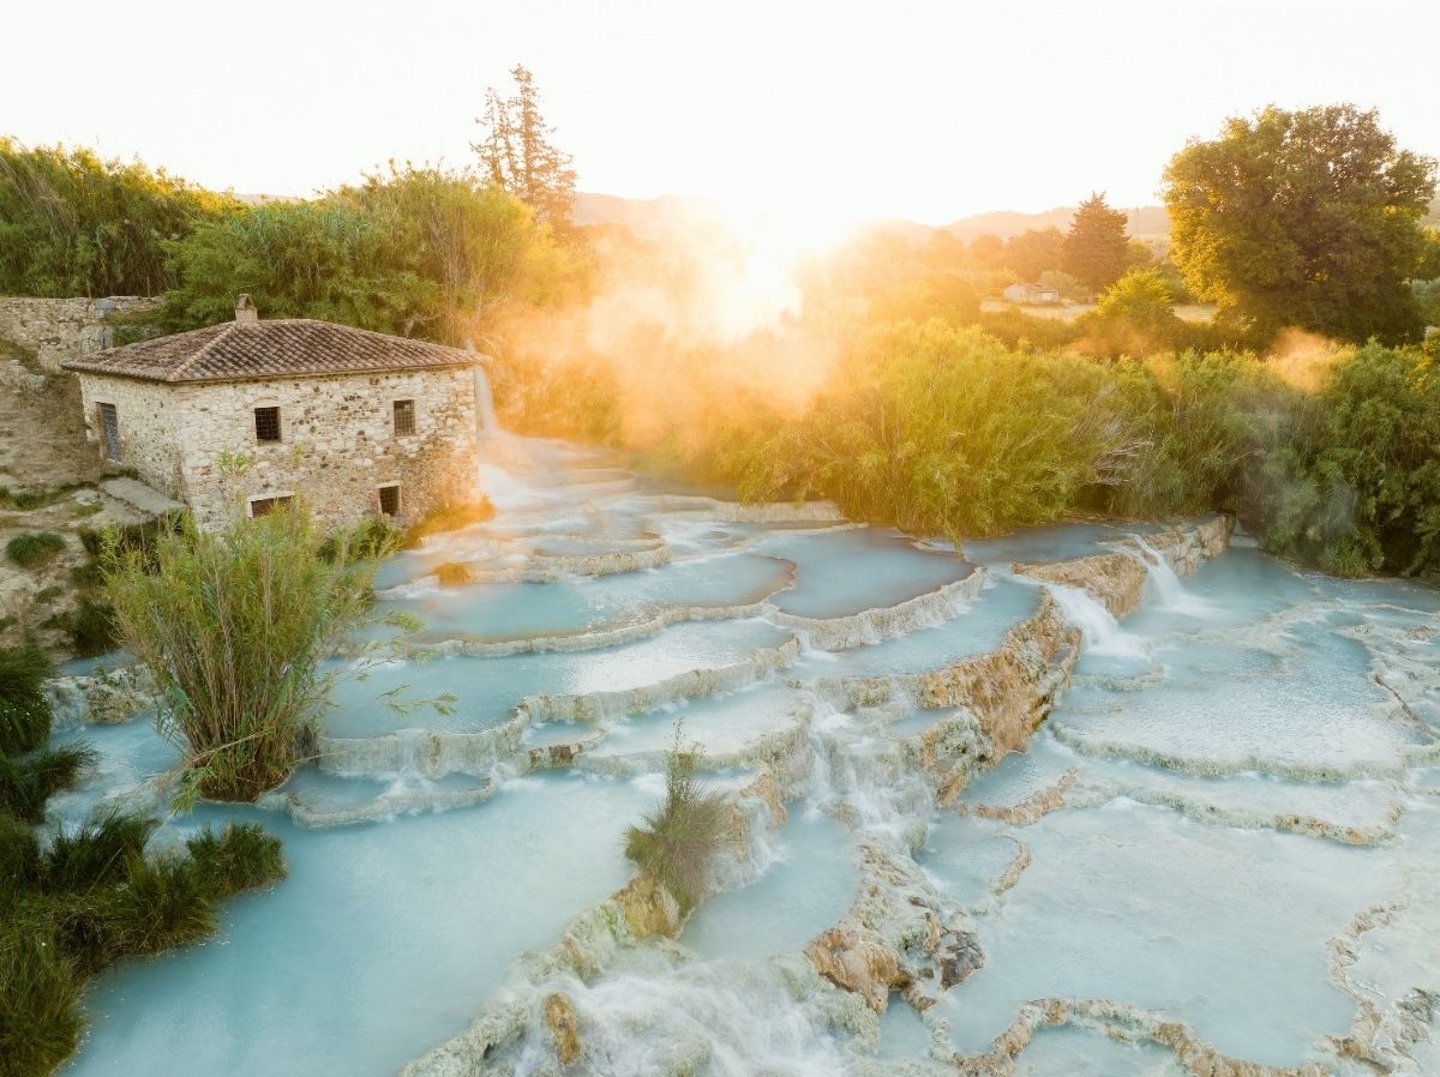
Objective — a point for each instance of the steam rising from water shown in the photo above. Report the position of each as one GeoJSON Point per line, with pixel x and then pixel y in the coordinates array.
{"type": "Point", "coordinates": [700, 309]}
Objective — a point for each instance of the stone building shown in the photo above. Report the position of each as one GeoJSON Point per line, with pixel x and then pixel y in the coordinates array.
{"type": "Point", "coordinates": [243, 416]}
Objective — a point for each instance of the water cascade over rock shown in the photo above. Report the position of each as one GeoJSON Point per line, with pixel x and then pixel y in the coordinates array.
{"type": "Point", "coordinates": [1164, 804]}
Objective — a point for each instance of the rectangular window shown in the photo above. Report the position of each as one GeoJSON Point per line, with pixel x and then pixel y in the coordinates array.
{"type": "Point", "coordinates": [267, 424]}
{"type": "Point", "coordinates": [390, 500]}
{"type": "Point", "coordinates": [404, 417]}
{"type": "Point", "coordinates": [264, 506]}
{"type": "Point", "coordinates": [110, 431]}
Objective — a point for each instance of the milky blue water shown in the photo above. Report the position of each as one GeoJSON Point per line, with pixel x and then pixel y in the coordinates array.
{"type": "Point", "coordinates": [1229, 781]}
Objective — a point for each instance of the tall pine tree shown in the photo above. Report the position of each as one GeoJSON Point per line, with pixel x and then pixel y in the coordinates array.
{"type": "Point", "coordinates": [1096, 249]}
{"type": "Point", "coordinates": [517, 154]}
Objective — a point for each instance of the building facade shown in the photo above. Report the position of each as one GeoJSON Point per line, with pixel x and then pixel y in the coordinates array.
{"type": "Point", "coordinates": [239, 418]}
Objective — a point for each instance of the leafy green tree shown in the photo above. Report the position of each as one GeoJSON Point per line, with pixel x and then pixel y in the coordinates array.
{"type": "Point", "coordinates": [1308, 218]}
{"type": "Point", "coordinates": [517, 154]}
{"type": "Point", "coordinates": [1141, 297]}
{"type": "Point", "coordinates": [469, 244]}
{"type": "Point", "coordinates": [1034, 251]}
{"type": "Point", "coordinates": [74, 224]}
{"type": "Point", "coordinates": [1135, 316]}
{"type": "Point", "coordinates": [1097, 249]}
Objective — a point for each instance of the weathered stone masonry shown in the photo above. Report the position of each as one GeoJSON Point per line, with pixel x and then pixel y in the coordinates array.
{"type": "Point", "coordinates": [58, 329]}
{"type": "Point", "coordinates": [337, 445]}
{"type": "Point", "coordinates": [355, 423]}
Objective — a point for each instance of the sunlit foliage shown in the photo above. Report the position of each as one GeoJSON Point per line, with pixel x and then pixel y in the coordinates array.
{"type": "Point", "coordinates": [1097, 249]}
{"type": "Point", "coordinates": [1308, 218]}
{"type": "Point", "coordinates": [73, 224]}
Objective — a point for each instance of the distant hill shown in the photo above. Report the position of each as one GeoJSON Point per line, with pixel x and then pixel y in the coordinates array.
{"type": "Point", "coordinates": [644, 216]}
{"type": "Point", "coordinates": [1144, 222]}
{"type": "Point", "coordinates": [640, 215]}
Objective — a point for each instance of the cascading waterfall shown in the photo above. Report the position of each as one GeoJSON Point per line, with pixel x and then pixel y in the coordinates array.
{"type": "Point", "coordinates": [1100, 628]}
{"type": "Point", "coordinates": [1172, 594]}
{"type": "Point", "coordinates": [485, 419]}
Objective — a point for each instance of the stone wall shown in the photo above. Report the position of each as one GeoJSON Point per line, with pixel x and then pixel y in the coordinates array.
{"type": "Point", "coordinates": [56, 329]}
{"type": "Point", "coordinates": [337, 445]}
{"type": "Point", "coordinates": [145, 415]}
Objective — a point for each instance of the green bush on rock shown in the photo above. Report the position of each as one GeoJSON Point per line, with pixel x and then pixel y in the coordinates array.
{"type": "Point", "coordinates": [677, 843]}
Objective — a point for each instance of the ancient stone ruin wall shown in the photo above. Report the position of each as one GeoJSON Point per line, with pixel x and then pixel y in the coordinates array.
{"type": "Point", "coordinates": [337, 447]}
{"type": "Point", "coordinates": [57, 329]}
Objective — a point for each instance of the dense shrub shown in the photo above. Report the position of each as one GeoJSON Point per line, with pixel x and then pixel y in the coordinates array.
{"type": "Point", "coordinates": [74, 224]}
{"type": "Point", "coordinates": [1025, 332]}
{"type": "Point", "coordinates": [34, 549]}
{"type": "Point", "coordinates": [940, 430]}
{"type": "Point", "coordinates": [1357, 488]}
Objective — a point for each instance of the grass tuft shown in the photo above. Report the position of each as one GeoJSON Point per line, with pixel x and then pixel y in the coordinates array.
{"type": "Point", "coordinates": [241, 857]}
{"type": "Point", "coordinates": [35, 549]}
{"type": "Point", "coordinates": [98, 854]}
{"type": "Point", "coordinates": [25, 784]}
{"type": "Point", "coordinates": [234, 624]}
{"type": "Point", "coordinates": [163, 904]}
{"type": "Point", "coordinates": [40, 1020]}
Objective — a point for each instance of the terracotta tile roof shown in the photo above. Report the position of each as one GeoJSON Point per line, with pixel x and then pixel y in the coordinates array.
{"type": "Point", "coordinates": [282, 347]}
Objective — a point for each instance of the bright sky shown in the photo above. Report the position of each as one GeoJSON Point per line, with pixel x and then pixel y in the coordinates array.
{"type": "Point", "coordinates": [926, 109]}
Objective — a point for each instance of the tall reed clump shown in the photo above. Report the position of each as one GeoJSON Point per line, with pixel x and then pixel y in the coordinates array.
{"type": "Point", "coordinates": [24, 710]}
{"type": "Point", "coordinates": [93, 898]}
{"type": "Point", "coordinates": [677, 843]}
{"type": "Point", "coordinates": [234, 625]}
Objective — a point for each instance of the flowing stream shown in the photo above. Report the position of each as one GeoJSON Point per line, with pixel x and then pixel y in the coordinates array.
{"type": "Point", "coordinates": [1218, 841]}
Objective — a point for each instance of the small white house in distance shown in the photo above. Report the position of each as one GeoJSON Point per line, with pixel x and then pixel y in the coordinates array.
{"type": "Point", "coordinates": [1031, 293]}
{"type": "Point", "coordinates": [243, 416]}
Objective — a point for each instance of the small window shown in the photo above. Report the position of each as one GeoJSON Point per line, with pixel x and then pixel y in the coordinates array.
{"type": "Point", "coordinates": [264, 506]}
{"type": "Point", "coordinates": [267, 424]}
{"type": "Point", "coordinates": [404, 417]}
{"type": "Point", "coordinates": [110, 431]}
{"type": "Point", "coordinates": [390, 500]}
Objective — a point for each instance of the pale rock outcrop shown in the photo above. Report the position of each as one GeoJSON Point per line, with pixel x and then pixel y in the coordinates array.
{"type": "Point", "coordinates": [107, 697]}
{"type": "Point", "coordinates": [564, 1030]}
{"type": "Point", "coordinates": [649, 908]}
{"type": "Point", "coordinates": [900, 934]}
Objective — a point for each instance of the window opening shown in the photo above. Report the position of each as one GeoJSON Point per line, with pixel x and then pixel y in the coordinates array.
{"type": "Point", "coordinates": [110, 427]}
{"type": "Point", "coordinates": [264, 506]}
{"type": "Point", "coordinates": [404, 417]}
{"type": "Point", "coordinates": [267, 424]}
{"type": "Point", "coordinates": [390, 500]}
